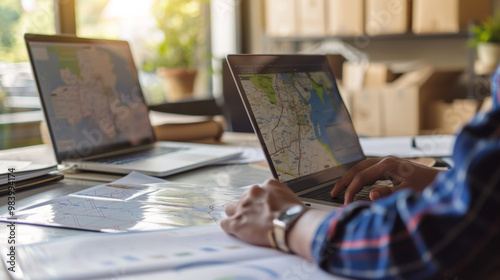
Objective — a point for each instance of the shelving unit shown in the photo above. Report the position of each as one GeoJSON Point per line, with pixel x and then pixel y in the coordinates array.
{"type": "Point", "coordinates": [445, 51]}
{"type": "Point", "coordinates": [406, 36]}
{"type": "Point", "coordinates": [296, 41]}
{"type": "Point", "coordinates": [477, 85]}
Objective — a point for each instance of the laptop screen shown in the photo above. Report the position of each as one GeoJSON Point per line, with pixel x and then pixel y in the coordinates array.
{"type": "Point", "coordinates": [301, 120]}
{"type": "Point", "coordinates": [90, 93]}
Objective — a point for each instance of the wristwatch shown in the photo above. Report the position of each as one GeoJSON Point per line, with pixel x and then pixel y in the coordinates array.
{"type": "Point", "coordinates": [283, 223]}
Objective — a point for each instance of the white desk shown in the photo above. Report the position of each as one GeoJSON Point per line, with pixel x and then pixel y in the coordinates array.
{"type": "Point", "coordinates": [230, 176]}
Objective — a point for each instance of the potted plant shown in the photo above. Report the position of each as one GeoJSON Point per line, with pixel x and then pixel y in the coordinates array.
{"type": "Point", "coordinates": [179, 52]}
{"type": "Point", "coordinates": [486, 40]}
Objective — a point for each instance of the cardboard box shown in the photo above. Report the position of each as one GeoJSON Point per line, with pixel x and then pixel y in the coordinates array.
{"type": "Point", "coordinates": [400, 113]}
{"type": "Point", "coordinates": [384, 112]}
{"type": "Point", "coordinates": [356, 76]}
{"type": "Point", "coordinates": [448, 118]}
{"type": "Point", "coordinates": [366, 113]}
{"type": "Point", "coordinates": [347, 96]}
{"type": "Point", "coordinates": [402, 108]}
{"type": "Point", "coordinates": [387, 16]}
{"type": "Point", "coordinates": [413, 93]}
{"type": "Point", "coordinates": [431, 16]}
{"type": "Point", "coordinates": [345, 17]}
{"type": "Point", "coordinates": [280, 18]}
{"type": "Point", "coordinates": [311, 20]}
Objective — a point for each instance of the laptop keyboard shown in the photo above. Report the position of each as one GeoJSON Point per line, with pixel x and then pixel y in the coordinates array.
{"type": "Point", "coordinates": [323, 193]}
{"type": "Point", "coordinates": [135, 156]}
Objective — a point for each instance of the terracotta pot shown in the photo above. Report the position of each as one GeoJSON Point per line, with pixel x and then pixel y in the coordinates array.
{"type": "Point", "coordinates": [488, 53]}
{"type": "Point", "coordinates": [178, 82]}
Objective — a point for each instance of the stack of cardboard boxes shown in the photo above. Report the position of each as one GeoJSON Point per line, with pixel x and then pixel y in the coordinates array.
{"type": "Point", "coordinates": [313, 18]}
{"type": "Point", "coordinates": [431, 16]}
{"type": "Point", "coordinates": [384, 102]}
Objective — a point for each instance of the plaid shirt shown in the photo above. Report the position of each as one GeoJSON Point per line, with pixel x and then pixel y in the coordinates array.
{"type": "Point", "coordinates": [434, 233]}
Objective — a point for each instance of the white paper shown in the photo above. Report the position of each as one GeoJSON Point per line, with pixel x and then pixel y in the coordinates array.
{"type": "Point", "coordinates": [22, 170]}
{"type": "Point", "coordinates": [187, 253]}
{"type": "Point", "coordinates": [138, 178]}
{"type": "Point", "coordinates": [409, 147]}
{"type": "Point", "coordinates": [248, 155]}
{"type": "Point", "coordinates": [135, 202]}
{"type": "Point", "coordinates": [6, 164]}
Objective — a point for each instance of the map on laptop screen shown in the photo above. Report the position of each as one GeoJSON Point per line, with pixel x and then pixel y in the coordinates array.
{"type": "Point", "coordinates": [304, 125]}
{"type": "Point", "coordinates": [92, 94]}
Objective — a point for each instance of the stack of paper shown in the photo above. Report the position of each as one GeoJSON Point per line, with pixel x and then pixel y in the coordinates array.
{"type": "Point", "coordinates": [22, 174]}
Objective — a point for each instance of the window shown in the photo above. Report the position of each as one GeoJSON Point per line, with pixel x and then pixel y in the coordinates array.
{"type": "Point", "coordinates": [138, 22]}
{"type": "Point", "coordinates": [17, 89]}
{"type": "Point", "coordinates": [132, 20]}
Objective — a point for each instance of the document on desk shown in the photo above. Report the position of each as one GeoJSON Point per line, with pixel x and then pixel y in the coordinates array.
{"type": "Point", "coordinates": [203, 252]}
{"type": "Point", "coordinates": [135, 202]}
{"type": "Point", "coordinates": [248, 155]}
{"type": "Point", "coordinates": [409, 147]}
{"type": "Point", "coordinates": [23, 170]}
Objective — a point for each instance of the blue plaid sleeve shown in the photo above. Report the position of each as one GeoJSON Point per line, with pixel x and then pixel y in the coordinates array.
{"type": "Point", "coordinates": [495, 88]}
{"type": "Point", "coordinates": [415, 235]}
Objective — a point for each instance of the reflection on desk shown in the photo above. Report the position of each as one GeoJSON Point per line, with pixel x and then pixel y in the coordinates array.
{"type": "Point", "coordinates": [135, 202]}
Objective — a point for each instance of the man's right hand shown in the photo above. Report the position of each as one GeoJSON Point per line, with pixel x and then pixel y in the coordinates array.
{"type": "Point", "coordinates": [402, 173]}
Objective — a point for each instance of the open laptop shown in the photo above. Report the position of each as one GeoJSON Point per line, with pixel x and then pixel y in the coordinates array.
{"type": "Point", "coordinates": [96, 113]}
{"type": "Point", "coordinates": [302, 123]}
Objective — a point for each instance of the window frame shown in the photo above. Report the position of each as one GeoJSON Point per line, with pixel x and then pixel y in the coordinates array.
{"type": "Point", "coordinates": [65, 17]}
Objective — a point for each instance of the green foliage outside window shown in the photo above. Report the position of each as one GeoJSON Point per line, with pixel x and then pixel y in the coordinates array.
{"type": "Point", "coordinates": [182, 25]}
{"type": "Point", "coordinates": [15, 21]}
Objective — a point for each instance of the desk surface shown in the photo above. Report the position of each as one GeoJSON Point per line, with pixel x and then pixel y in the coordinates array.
{"type": "Point", "coordinates": [230, 176]}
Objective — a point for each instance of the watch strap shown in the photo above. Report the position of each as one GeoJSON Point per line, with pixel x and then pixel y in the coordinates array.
{"type": "Point", "coordinates": [281, 228]}
{"type": "Point", "coordinates": [280, 239]}
{"type": "Point", "coordinates": [272, 240]}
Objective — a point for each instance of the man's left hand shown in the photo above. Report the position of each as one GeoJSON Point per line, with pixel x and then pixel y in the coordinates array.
{"type": "Point", "coordinates": [251, 218]}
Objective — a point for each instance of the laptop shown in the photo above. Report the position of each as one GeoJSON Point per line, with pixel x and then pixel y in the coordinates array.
{"type": "Point", "coordinates": [301, 121]}
{"type": "Point", "coordinates": [96, 113]}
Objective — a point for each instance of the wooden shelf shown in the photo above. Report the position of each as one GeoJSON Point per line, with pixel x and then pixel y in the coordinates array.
{"type": "Point", "coordinates": [406, 36]}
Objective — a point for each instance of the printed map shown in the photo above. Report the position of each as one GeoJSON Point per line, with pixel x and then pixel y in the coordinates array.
{"type": "Point", "coordinates": [296, 114]}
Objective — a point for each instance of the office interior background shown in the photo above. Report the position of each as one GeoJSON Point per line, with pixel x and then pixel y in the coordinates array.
{"type": "Point", "coordinates": [403, 67]}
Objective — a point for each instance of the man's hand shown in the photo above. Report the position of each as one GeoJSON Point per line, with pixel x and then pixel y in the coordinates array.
{"type": "Point", "coordinates": [251, 218]}
{"type": "Point", "coordinates": [402, 173]}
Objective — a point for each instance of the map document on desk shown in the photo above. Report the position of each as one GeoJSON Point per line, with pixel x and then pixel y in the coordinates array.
{"type": "Point", "coordinates": [204, 252]}
{"type": "Point", "coordinates": [135, 202]}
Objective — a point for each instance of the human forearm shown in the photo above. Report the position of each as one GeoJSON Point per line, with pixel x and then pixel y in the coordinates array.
{"type": "Point", "coordinates": [300, 237]}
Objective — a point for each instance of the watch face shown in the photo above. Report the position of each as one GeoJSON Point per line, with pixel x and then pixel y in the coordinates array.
{"type": "Point", "coordinates": [291, 213]}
